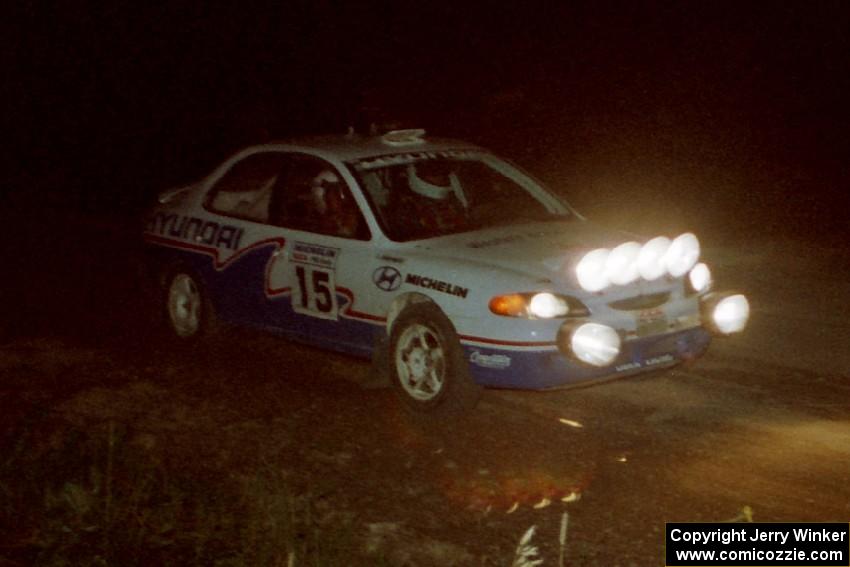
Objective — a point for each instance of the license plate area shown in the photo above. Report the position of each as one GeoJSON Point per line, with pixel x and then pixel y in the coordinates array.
{"type": "Point", "coordinates": [651, 322]}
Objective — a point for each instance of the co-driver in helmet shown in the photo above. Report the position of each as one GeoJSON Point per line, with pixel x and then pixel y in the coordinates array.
{"type": "Point", "coordinates": [336, 210]}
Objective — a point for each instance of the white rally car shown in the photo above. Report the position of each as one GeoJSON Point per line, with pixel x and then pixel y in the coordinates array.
{"type": "Point", "coordinates": [448, 266]}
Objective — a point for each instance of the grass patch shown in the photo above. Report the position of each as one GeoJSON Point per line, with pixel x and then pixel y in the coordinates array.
{"type": "Point", "coordinates": [103, 496]}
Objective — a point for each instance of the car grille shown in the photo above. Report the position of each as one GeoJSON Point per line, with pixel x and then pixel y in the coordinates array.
{"type": "Point", "coordinates": [640, 302]}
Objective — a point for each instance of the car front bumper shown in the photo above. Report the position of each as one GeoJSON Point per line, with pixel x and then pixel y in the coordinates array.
{"type": "Point", "coordinates": [547, 367]}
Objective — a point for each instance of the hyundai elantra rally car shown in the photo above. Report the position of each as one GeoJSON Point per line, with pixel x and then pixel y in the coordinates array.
{"type": "Point", "coordinates": [449, 267]}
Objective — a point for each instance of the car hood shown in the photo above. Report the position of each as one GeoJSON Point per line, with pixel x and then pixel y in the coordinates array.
{"type": "Point", "coordinates": [541, 249]}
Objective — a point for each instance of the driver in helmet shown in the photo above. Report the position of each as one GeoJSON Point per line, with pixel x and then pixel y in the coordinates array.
{"type": "Point", "coordinates": [440, 186]}
{"type": "Point", "coordinates": [336, 210]}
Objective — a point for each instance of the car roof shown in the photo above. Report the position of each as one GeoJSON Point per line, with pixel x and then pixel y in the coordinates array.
{"type": "Point", "coordinates": [355, 147]}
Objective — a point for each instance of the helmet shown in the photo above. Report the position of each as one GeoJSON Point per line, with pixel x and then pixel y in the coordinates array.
{"type": "Point", "coordinates": [322, 185]}
{"type": "Point", "coordinates": [438, 185]}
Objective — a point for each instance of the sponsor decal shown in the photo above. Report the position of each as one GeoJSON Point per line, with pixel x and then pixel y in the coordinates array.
{"type": "Point", "coordinates": [313, 274]}
{"type": "Point", "coordinates": [436, 285]}
{"type": "Point", "coordinates": [497, 361]}
{"type": "Point", "coordinates": [658, 360]}
{"type": "Point", "coordinates": [387, 278]}
{"type": "Point", "coordinates": [655, 360]}
{"type": "Point", "coordinates": [313, 254]}
{"type": "Point", "coordinates": [397, 159]}
{"type": "Point", "coordinates": [201, 231]}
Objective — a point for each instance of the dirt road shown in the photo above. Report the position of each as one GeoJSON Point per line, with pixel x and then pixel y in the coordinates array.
{"type": "Point", "coordinates": [759, 423]}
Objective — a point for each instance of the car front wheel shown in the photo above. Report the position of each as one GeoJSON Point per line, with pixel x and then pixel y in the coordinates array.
{"type": "Point", "coordinates": [427, 365]}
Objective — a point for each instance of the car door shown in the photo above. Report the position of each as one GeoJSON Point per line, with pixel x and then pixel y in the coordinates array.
{"type": "Point", "coordinates": [235, 270]}
{"type": "Point", "coordinates": [314, 281]}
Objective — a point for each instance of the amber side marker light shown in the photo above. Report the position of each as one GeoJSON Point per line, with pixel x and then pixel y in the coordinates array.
{"type": "Point", "coordinates": [513, 305]}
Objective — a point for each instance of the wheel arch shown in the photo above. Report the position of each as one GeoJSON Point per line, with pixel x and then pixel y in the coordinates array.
{"type": "Point", "coordinates": [401, 302]}
{"type": "Point", "coordinates": [172, 265]}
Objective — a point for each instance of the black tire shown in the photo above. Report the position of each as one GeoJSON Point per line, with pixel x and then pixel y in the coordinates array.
{"type": "Point", "coordinates": [426, 363]}
{"type": "Point", "coordinates": [187, 311]}
{"type": "Point", "coordinates": [379, 375]}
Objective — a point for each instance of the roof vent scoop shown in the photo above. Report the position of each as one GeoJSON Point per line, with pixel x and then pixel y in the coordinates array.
{"type": "Point", "coordinates": [408, 137]}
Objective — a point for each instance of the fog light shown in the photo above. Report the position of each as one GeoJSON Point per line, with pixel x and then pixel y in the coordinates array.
{"type": "Point", "coordinates": [621, 265]}
{"type": "Point", "coordinates": [594, 344]}
{"type": "Point", "coordinates": [726, 313]}
{"type": "Point", "coordinates": [682, 254]}
{"type": "Point", "coordinates": [651, 260]}
{"type": "Point", "coordinates": [700, 278]}
{"type": "Point", "coordinates": [591, 272]}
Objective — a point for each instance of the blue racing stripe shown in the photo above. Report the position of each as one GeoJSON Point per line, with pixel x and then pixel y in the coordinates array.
{"type": "Point", "coordinates": [541, 369]}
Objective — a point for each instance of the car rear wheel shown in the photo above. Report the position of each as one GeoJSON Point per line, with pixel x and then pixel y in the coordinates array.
{"type": "Point", "coordinates": [427, 365]}
{"type": "Point", "coordinates": [189, 313]}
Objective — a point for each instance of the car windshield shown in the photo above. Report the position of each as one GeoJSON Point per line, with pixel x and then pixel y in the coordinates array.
{"type": "Point", "coordinates": [427, 194]}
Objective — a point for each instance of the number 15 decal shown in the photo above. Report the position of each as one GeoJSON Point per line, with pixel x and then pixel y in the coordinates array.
{"type": "Point", "coordinates": [314, 293]}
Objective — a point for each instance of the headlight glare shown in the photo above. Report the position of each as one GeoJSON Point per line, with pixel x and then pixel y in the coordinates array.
{"type": "Point", "coordinates": [731, 314]}
{"type": "Point", "coordinates": [595, 344]}
{"type": "Point", "coordinates": [546, 305]}
{"type": "Point", "coordinates": [621, 264]}
{"type": "Point", "coordinates": [682, 254]}
{"type": "Point", "coordinates": [591, 270]}
{"type": "Point", "coordinates": [650, 262]}
{"type": "Point", "coordinates": [700, 278]}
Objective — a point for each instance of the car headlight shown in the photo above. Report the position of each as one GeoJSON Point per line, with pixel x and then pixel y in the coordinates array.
{"type": "Point", "coordinates": [682, 254]}
{"type": "Point", "coordinates": [725, 313]}
{"type": "Point", "coordinates": [651, 259]}
{"type": "Point", "coordinates": [591, 343]}
{"type": "Point", "coordinates": [621, 264]}
{"type": "Point", "coordinates": [731, 314]}
{"type": "Point", "coordinates": [547, 305]}
{"type": "Point", "coordinates": [541, 305]}
{"type": "Point", "coordinates": [699, 278]}
{"type": "Point", "coordinates": [591, 270]}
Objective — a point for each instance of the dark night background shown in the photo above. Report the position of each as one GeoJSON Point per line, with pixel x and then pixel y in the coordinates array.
{"type": "Point", "coordinates": [733, 114]}
{"type": "Point", "coordinates": [729, 119]}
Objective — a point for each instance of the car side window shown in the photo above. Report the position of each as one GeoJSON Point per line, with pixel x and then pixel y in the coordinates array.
{"type": "Point", "coordinates": [312, 196]}
{"type": "Point", "coordinates": [245, 190]}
